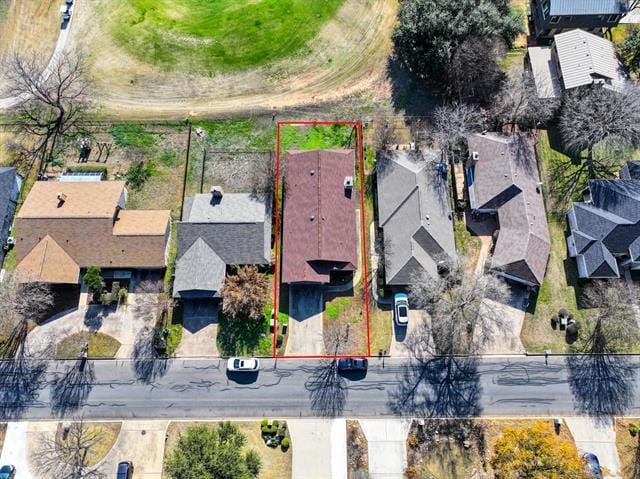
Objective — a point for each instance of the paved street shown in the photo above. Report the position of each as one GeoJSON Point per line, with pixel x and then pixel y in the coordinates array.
{"type": "Point", "coordinates": [293, 388]}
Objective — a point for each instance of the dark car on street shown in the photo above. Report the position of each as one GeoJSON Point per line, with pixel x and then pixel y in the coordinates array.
{"type": "Point", "coordinates": [352, 364]}
{"type": "Point", "coordinates": [125, 470]}
{"type": "Point", "coordinates": [593, 465]}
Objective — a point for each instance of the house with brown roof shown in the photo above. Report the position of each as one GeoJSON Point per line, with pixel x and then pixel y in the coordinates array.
{"type": "Point", "coordinates": [64, 227]}
{"type": "Point", "coordinates": [503, 180]}
{"type": "Point", "coordinates": [319, 236]}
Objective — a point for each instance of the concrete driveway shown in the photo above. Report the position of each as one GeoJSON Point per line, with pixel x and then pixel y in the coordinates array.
{"type": "Point", "coordinates": [200, 329]}
{"type": "Point", "coordinates": [305, 321]}
{"type": "Point", "coordinates": [398, 347]}
{"type": "Point", "coordinates": [14, 451]}
{"type": "Point", "coordinates": [598, 436]}
{"type": "Point", "coordinates": [503, 336]}
{"type": "Point", "coordinates": [141, 442]}
{"type": "Point", "coordinates": [319, 448]}
{"type": "Point", "coordinates": [387, 439]}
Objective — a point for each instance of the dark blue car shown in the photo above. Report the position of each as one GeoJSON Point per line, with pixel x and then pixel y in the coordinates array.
{"type": "Point", "coordinates": [7, 472]}
{"type": "Point", "coordinates": [125, 470]}
{"type": "Point", "coordinates": [593, 465]}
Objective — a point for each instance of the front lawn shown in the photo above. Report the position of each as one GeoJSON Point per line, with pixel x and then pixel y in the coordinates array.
{"type": "Point", "coordinates": [106, 431]}
{"type": "Point", "coordinates": [560, 289]}
{"type": "Point", "coordinates": [244, 337]}
{"type": "Point", "coordinates": [100, 346]}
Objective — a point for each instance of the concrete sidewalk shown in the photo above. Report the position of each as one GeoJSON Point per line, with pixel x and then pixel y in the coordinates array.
{"type": "Point", "coordinates": [319, 448]}
{"type": "Point", "coordinates": [387, 440]}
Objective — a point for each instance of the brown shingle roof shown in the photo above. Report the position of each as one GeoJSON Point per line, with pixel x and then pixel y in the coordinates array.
{"type": "Point", "coordinates": [83, 200]}
{"type": "Point", "coordinates": [319, 222]}
{"type": "Point", "coordinates": [49, 263]}
{"type": "Point", "coordinates": [141, 222]}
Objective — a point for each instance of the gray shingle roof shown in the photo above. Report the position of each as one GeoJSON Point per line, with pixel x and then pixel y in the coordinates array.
{"type": "Point", "coordinates": [587, 7]}
{"type": "Point", "coordinates": [199, 273]}
{"type": "Point", "coordinates": [630, 171]}
{"type": "Point", "coordinates": [236, 229]}
{"type": "Point", "coordinates": [8, 195]}
{"type": "Point", "coordinates": [505, 179]}
{"type": "Point", "coordinates": [586, 58]}
{"type": "Point", "coordinates": [611, 223]}
{"type": "Point", "coordinates": [415, 215]}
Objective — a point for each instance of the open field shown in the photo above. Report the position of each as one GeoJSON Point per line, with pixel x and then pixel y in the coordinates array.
{"type": "Point", "coordinates": [207, 37]}
{"type": "Point", "coordinates": [348, 54]}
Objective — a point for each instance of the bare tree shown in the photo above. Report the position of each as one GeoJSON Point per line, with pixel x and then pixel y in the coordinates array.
{"type": "Point", "coordinates": [54, 102]}
{"type": "Point", "coordinates": [464, 307]}
{"type": "Point", "coordinates": [517, 104]}
{"type": "Point", "coordinates": [475, 71]}
{"type": "Point", "coordinates": [594, 117]}
{"type": "Point", "coordinates": [20, 302]}
{"type": "Point", "coordinates": [452, 123]}
{"type": "Point", "coordinates": [384, 134]}
{"type": "Point", "coordinates": [613, 325]}
{"type": "Point", "coordinates": [68, 454]}
{"type": "Point", "coordinates": [244, 294]}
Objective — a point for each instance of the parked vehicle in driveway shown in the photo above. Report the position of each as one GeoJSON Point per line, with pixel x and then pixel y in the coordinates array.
{"type": "Point", "coordinates": [125, 470]}
{"type": "Point", "coordinates": [352, 364]}
{"type": "Point", "coordinates": [243, 364]}
{"type": "Point", "coordinates": [593, 465]}
{"type": "Point", "coordinates": [7, 472]}
{"type": "Point", "coordinates": [401, 309]}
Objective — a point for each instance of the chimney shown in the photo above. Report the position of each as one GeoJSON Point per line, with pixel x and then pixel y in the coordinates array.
{"type": "Point", "coordinates": [216, 192]}
{"type": "Point", "coordinates": [61, 199]}
{"type": "Point", "coordinates": [475, 156]}
{"type": "Point", "coordinates": [348, 183]}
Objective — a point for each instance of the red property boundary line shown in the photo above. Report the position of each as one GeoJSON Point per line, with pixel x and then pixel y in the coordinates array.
{"type": "Point", "coordinates": [363, 227]}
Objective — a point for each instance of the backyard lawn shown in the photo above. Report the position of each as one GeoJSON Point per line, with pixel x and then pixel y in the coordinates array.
{"type": "Point", "coordinates": [202, 36]}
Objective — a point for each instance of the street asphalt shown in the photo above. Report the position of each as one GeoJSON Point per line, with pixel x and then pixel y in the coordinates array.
{"type": "Point", "coordinates": [176, 389]}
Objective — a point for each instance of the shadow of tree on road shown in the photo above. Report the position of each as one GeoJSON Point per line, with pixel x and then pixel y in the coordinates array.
{"type": "Point", "coordinates": [70, 391]}
{"type": "Point", "coordinates": [602, 385]}
{"type": "Point", "coordinates": [327, 390]}
{"type": "Point", "coordinates": [147, 363]}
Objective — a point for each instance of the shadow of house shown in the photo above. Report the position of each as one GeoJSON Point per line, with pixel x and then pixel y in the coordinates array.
{"type": "Point", "coordinates": [605, 228]}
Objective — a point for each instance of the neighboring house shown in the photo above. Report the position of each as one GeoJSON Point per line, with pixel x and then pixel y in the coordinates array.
{"type": "Point", "coordinates": [550, 17]}
{"type": "Point", "coordinates": [319, 236]}
{"type": "Point", "coordinates": [503, 180]}
{"type": "Point", "coordinates": [10, 185]}
{"type": "Point", "coordinates": [64, 227]}
{"type": "Point", "coordinates": [605, 227]}
{"type": "Point", "coordinates": [575, 59]}
{"type": "Point", "coordinates": [414, 213]}
{"type": "Point", "coordinates": [219, 230]}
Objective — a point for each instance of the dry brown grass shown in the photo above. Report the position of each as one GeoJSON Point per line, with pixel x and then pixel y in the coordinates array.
{"type": "Point", "coordinates": [276, 464]}
{"type": "Point", "coordinates": [349, 55]}
{"type": "Point", "coordinates": [108, 432]}
{"type": "Point", "coordinates": [357, 449]}
{"type": "Point", "coordinates": [628, 447]}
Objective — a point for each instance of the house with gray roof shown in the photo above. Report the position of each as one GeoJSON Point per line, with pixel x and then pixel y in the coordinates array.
{"type": "Point", "coordinates": [414, 213]}
{"type": "Point", "coordinates": [605, 227]}
{"type": "Point", "coordinates": [10, 185]}
{"type": "Point", "coordinates": [218, 230]}
{"type": "Point", "coordinates": [574, 59]}
{"type": "Point", "coordinates": [550, 17]}
{"type": "Point", "coordinates": [503, 180]}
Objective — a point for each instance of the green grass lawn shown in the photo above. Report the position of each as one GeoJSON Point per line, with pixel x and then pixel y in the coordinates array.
{"type": "Point", "coordinates": [208, 36]}
{"type": "Point", "coordinates": [100, 345]}
{"type": "Point", "coordinates": [466, 244]}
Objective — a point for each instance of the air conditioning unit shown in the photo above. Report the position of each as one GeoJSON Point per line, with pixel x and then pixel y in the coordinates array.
{"type": "Point", "coordinates": [216, 191]}
{"type": "Point", "coordinates": [11, 240]}
{"type": "Point", "coordinates": [475, 156]}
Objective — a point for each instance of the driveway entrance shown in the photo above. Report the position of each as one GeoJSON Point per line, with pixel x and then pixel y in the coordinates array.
{"type": "Point", "coordinates": [305, 321]}
{"type": "Point", "coordinates": [200, 328]}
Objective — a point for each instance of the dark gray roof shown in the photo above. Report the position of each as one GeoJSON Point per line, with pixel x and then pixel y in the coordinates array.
{"type": "Point", "coordinates": [236, 229]}
{"type": "Point", "coordinates": [630, 171]}
{"type": "Point", "coordinates": [608, 226]}
{"type": "Point", "coordinates": [199, 273]}
{"type": "Point", "coordinates": [415, 215]}
{"type": "Point", "coordinates": [587, 7]}
{"type": "Point", "coordinates": [505, 179]}
{"type": "Point", "coordinates": [8, 197]}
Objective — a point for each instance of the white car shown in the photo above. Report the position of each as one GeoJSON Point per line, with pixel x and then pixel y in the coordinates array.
{"type": "Point", "coordinates": [243, 364]}
{"type": "Point", "coordinates": [401, 309]}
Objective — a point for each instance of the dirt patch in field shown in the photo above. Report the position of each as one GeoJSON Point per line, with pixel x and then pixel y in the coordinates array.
{"type": "Point", "coordinates": [28, 27]}
{"type": "Point", "coordinates": [349, 55]}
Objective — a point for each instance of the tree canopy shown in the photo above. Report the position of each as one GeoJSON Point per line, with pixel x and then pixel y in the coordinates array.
{"type": "Point", "coordinates": [205, 452]}
{"type": "Point", "coordinates": [535, 452]}
{"type": "Point", "coordinates": [429, 32]}
{"type": "Point", "coordinates": [630, 50]}
{"type": "Point", "coordinates": [244, 294]}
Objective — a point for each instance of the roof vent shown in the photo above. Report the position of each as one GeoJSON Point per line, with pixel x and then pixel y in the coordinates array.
{"type": "Point", "coordinates": [475, 156]}
{"type": "Point", "coordinates": [348, 182]}
{"type": "Point", "coordinates": [61, 198]}
{"type": "Point", "coordinates": [312, 217]}
{"type": "Point", "coordinates": [216, 191]}
{"type": "Point", "coordinates": [312, 172]}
